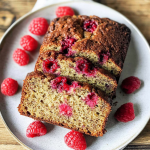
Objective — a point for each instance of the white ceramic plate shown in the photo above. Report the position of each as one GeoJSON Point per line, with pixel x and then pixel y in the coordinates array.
{"type": "Point", "coordinates": [137, 64]}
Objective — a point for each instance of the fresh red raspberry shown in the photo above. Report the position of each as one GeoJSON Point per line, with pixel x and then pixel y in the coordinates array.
{"type": "Point", "coordinates": [130, 84]}
{"type": "Point", "coordinates": [125, 113]}
{"type": "Point", "coordinates": [64, 11]}
{"type": "Point", "coordinates": [9, 86]}
{"type": "Point", "coordinates": [28, 43]}
{"type": "Point", "coordinates": [20, 57]}
{"type": "Point", "coordinates": [38, 26]}
{"type": "Point", "coordinates": [75, 140]}
{"type": "Point", "coordinates": [36, 128]}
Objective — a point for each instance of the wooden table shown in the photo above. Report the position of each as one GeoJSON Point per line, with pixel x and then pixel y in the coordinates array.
{"type": "Point", "coordinates": [138, 11]}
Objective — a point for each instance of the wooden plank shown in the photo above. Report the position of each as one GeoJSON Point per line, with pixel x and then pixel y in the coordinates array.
{"type": "Point", "coordinates": [12, 147]}
{"type": "Point", "coordinates": [6, 137]}
{"type": "Point", "coordinates": [13, 9]}
{"type": "Point", "coordinates": [144, 137]}
{"type": "Point", "coordinates": [136, 10]}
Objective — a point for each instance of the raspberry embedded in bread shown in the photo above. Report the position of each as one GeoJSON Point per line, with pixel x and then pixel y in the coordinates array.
{"type": "Point", "coordinates": [103, 57]}
{"type": "Point", "coordinates": [89, 25]}
{"type": "Point", "coordinates": [77, 114]}
{"type": "Point", "coordinates": [65, 109]}
{"type": "Point", "coordinates": [64, 84]}
{"type": "Point", "coordinates": [85, 67]}
{"type": "Point", "coordinates": [91, 99]}
{"type": "Point", "coordinates": [66, 45]}
{"type": "Point", "coordinates": [61, 83]}
{"type": "Point", "coordinates": [50, 65]}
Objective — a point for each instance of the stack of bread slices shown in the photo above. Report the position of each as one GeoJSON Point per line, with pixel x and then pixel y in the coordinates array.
{"type": "Point", "coordinates": [76, 74]}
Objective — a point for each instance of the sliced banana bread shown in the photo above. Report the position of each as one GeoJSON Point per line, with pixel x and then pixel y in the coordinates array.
{"type": "Point", "coordinates": [101, 40]}
{"type": "Point", "coordinates": [64, 102]}
{"type": "Point", "coordinates": [78, 69]}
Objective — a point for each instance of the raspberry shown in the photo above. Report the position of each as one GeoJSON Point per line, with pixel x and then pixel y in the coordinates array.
{"type": "Point", "coordinates": [89, 25]}
{"type": "Point", "coordinates": [9, 86]}
{"type": "Point", "coordinates": [50, 66]}
{"type": "Point", "coordinates": [66, 45]}
{"type": "Point", "coordinates": [75, 140]}
{"type": "Point", "coordinates": [91, 99]}
{"type": "Point", "coordinates": [103, 57]}
{"type": "Point", "coordinates": [36, 128]}
{"type": "Point", "coordinates": [130, 84]}
{"type": "Point", "coordinates": [65, 109]}
{"type": "Point", "coordinates": [38, 26]}
{"type": "Point", "coordinates": [20, 57]}
{"type": "Point", "coordinates": [64, 11]}
{"type": "Point", "coordinates": [125, 113]}
{"type": "Point", "coordinates": [75, 84]}
{"type": "Point", "coordinates": [28, 43]}
{"type": "Point", "coordinates": [85, 67]}
{"type": "Point", "coordinates": [61, 83]}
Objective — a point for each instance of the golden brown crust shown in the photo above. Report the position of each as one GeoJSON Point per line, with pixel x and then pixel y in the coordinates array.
{"type": "Point", "coordinates": [88, 46]}
{"type": "Point", "coordinates": [65, 125]}
{"type": "Point", "coordinates": [63, 27]}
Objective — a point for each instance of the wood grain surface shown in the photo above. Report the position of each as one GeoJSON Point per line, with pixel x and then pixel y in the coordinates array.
{"type": "Point", "coordinates": [138, 11]}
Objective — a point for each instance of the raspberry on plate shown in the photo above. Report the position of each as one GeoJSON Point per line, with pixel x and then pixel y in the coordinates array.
{"type": "Point", "coordinates": [36, 128]}
{"type": "Point", "coordinates": [20, 57]}
{"type": "Point", "coordinates": [130, 84]}
{"type": "Point", "coordinates": [75, 140]}
{"type": "Point", "coordinates": [9, 87]}
{"type": "Point", "coordinates": [38, 26]}
{"type": "Point", "coordinates": [28, 43]}
{"type": "Point", "coordinates": [64, 11]}
{"type": "Point", "coordinates": [125, 113]}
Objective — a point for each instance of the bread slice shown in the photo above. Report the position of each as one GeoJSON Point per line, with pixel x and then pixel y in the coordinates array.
{"type": "Point", "coordinates": [60, 101]}
{"type": "Point", "coordinates": [101, 40]}
{"type": "Point", "coordinates": [78, 69]}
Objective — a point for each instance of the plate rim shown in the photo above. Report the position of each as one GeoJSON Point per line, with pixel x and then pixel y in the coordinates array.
{"type": "Point", "coordinates": [123, 145]}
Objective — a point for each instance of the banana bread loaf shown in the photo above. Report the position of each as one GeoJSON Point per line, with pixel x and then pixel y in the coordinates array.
{"type": "Point", "coordinates": [64, 102]}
